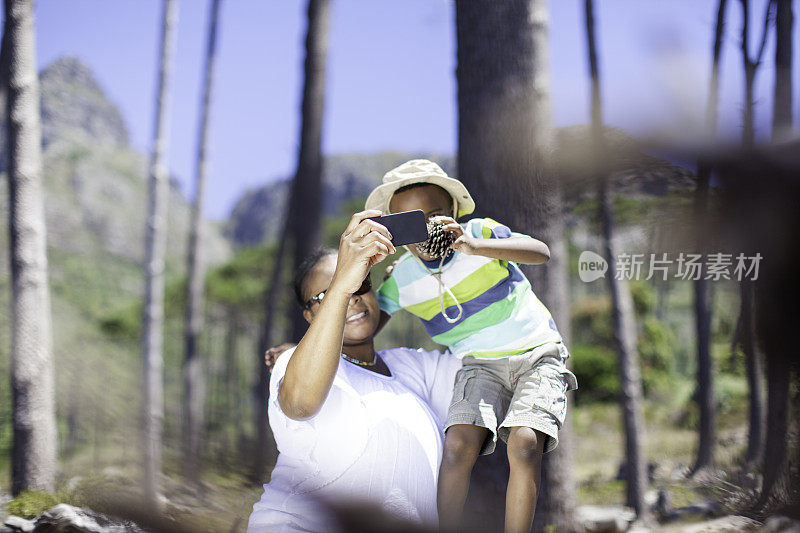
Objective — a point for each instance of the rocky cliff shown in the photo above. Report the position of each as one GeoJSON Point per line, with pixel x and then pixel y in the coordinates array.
{"type": "Point", "coordinates": [257, 214]}
{"type": "Point", "coordinates": [634, 174]}
{"type": "Point", "coordinates": [95, 184]}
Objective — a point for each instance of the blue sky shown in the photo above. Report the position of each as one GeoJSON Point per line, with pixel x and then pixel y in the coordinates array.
{"type": "Point", "coordinates": [391, 75]}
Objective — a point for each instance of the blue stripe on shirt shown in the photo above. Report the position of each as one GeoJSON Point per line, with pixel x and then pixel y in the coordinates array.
{"type": "Point", "coordinates": [501, 290]}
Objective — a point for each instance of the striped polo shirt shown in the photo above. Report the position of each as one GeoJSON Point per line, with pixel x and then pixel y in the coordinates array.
{"type": "Point", "coordinates": [501, 314]}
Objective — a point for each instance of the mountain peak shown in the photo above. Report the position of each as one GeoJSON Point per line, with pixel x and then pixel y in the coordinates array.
{"type": "Point", "coordinates": [74, 104]}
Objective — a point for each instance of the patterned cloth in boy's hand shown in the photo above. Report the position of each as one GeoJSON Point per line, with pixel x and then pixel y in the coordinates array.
{"type": "Point", "coordinates": [440, 241]}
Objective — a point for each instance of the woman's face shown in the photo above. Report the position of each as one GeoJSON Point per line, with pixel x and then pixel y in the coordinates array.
{"type": "Point", "coordinates": [363, 312]}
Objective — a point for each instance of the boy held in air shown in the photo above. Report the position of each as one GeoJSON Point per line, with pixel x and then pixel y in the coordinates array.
{"type": "Point", "coordinates": [472, 297]}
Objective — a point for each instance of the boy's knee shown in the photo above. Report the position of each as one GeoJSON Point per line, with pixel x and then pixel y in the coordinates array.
{"type": "Point", "coordinates": [525, 445]}
{"type": "Point", "coordinates": [462, 445]}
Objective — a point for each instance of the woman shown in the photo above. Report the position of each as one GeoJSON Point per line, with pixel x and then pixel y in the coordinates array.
{"type": "Point", "coordinates": [352, 425]}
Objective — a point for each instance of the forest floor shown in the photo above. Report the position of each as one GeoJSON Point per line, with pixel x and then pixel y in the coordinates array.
{"type": "Point", "coordinates": [225, 501]}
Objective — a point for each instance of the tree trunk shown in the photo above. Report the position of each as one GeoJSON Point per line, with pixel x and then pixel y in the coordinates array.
{"type": "Point", "coordinates": [504, 137]}
{"type": "Point", "coordinates": [230, 380]}
{"type": "Point", "coordinates": [305, 202]}
{"type": "Point", "coordinates": [755, 372]}
{"type": "Point", "coordinates": [630, 377]}
{"type": "Point", "coordinates": [266, 451]}
{"type": "Point", "coordinates": [779, 368]}
{"type": "Point", "coordinates": [778, 377]}
{"type": "Point", "coordinates": [751, 69]}
{"type": "Point", "coordinates": [702, 314]}
{"type": "Point", "coordinates": [33, 460]}
{"type": "Point", "coordinates": [192, 365]}
{"type": "Point", "coordinates": [558, 489]}
{"type": "Point", "coordinates": [782, 127]}
{"type": "Point", "coordinates": [755, 375]}
{"type": "Point", "coordinates": [624, 321]}
{"type": "Point", "coordinates": [155, 244]}
{"type": "Point", "coordinates": [702, 306]}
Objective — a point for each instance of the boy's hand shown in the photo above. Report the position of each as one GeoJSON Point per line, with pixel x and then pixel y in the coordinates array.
{"type": "Point", "coordinates": [271, 355]}
{"type": "Point", "coordinates": [389, 270]}
{"type": "Point", "coordinates": [464, 243]}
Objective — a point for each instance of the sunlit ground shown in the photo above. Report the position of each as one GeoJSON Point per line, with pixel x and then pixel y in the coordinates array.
{"type": "Point", "coordinates": [228, 497]}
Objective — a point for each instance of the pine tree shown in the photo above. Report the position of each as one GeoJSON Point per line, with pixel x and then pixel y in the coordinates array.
{"type": "Point", "coordinates": [748, 335]}
{"type": "Point", "coordinates": [33, 460]}
{"type": "Point", "coordinates": [504, 140]}
{"type": "Point", "coordinates": [192, 367]}
{"type": "Point", "coordinates": [702, 305]}
{"type": "Point", "coordinates": [305, 202]}
{"type": "Point", "coordinates": [624, 321]}
{"type": "Point", "coordinates": [779, 368]}
{"type": "Point", "coordinates": [155, 244]}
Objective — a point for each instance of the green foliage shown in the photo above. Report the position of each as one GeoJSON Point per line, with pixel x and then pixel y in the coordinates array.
{"type": "Point", "coordinates": [657, 355]}
{"type": "Point", "coordinates": [599, 491]}
{"type": "Point", "coordinates": [31, 503]}
{"type": "Point", "coordinates": [632, 210]}
{"type": "Point", "coordinates": [124, 323]}
{"type": "Point", "coordinates": [644, 297]}
{"type": "Point", "coordinates": [596, 370]}
{"type": "Point", "coordinates": [731, 395]}
{"type": "Point", "coordinates": [591, 322]}
{"type": "Point", "coordinates": [594, 349]}
{"type": "Point", "coordinates": [333, 227]}
{"type": "Point", "coordinates": [77, 153]}
{"type": "Point", "coordinates": [242, 282]}
{"type": "Point", "coordinates": [5, 428]}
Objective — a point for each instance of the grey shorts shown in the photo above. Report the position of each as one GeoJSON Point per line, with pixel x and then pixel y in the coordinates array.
{"type": "Point", "coordinates": [529, 390]}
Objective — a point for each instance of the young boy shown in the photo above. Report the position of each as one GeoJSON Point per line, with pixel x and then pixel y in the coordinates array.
{"type": "Point", "coordinates": [476, 301]}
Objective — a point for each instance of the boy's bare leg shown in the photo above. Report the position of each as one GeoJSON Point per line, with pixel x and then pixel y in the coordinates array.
{"type": "Point", "coordinates": [525, 449]}
{"type": "Point", "coordinates": [462, 444]}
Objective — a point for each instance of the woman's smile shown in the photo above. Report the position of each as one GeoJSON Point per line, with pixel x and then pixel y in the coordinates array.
{"type": "Point", "coordinates": [358, 317]}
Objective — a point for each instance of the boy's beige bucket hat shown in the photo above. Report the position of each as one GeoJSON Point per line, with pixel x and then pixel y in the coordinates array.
{"type": "Point", "coordinates": [419, 171]}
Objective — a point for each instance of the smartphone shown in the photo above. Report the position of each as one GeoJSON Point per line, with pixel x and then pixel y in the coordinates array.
{"type": "Point", "coordinates": [406, 228]}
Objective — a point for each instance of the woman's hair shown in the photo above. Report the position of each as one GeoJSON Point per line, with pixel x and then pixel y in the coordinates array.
{"type": "Point", "coordinates": [305, 269]}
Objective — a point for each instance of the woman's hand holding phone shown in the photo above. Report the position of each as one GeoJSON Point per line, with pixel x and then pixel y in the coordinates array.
{"type": "Point", "coordinates": [363, 244]}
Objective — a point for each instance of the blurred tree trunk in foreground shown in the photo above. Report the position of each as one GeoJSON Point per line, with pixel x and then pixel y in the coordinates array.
{"type": "Point", "coordinates": [621, 301]}
{"type": "Point", "coordinates": [305, 201]}
{"type": "Point", "coordinates": [782, 126]}
{"type": "Point", "coordinates": [193, 387]}
{"type": "Point", "coordinates": [155, 244]}
{"type": "Point", "coordinates": [504, 139]}
{"type": "Point", "coordinates": [301, 221]}
{"type": "Point", "coordinates": [33, 461]}
{"type": "Point", "coordinates": [702, 296]}
{"type": "Point", "coordinates": [779, 368]}
{"type": "Point", "coordinates": [763, 184]}
{"type": "Point", "coordinates": [748, 335]}
{"type": "Point", "coordinates": [266, 449]}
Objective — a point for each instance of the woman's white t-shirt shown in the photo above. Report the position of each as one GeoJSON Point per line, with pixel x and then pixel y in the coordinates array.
{"type": "Point", "coordinates": [377, 439]}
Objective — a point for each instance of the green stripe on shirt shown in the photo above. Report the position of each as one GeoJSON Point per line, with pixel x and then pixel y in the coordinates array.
{"type": "Point", "coordinates": [468, 288]}
{"type": "Point", "coordinates": [389, 292]}
{"type": "Point", "coordinates": [488, 316]}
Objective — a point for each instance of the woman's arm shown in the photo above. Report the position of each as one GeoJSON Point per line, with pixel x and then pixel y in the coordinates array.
{"type": "Point", "coordinates": [313, 365]}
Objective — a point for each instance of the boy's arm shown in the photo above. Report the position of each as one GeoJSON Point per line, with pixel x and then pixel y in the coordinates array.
{"type": "Point", "coordinates": [388, 298]}
{"type": "Point", "coordinates": [519, 249]}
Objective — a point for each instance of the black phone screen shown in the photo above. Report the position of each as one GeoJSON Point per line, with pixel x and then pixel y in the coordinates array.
{"type": "Point", "coordinates": [406, 228]}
